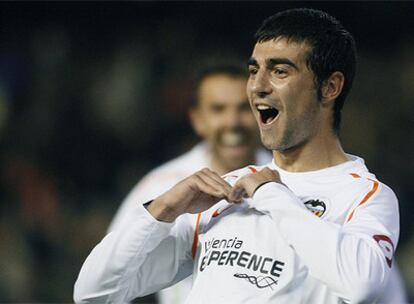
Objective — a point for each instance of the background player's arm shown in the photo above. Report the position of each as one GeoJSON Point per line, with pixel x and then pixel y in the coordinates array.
{"type": "Point", "coordinates": [346, 258]}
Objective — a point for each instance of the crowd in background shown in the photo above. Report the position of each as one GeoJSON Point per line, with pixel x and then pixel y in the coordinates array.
{"type": "Point", "coordinates": [92, 96]}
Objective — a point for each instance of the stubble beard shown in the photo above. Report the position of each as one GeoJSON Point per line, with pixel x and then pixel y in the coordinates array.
{"type": "Point", "coordinates": [280, 143]}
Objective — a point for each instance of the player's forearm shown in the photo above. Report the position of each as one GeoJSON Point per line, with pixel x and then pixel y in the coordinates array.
{"type": "Point", "coordinates": [348, 264]}
{"type": "Point", "coordinates": [161, 210]}
{"type": "Point", "coordinates": [111, 268]}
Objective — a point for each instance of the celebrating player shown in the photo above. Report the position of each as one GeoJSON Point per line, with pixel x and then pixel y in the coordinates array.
{"type": "Point", "coordinates": [313, 226]}
{"type": "Point", "coordinates": [221, 115]}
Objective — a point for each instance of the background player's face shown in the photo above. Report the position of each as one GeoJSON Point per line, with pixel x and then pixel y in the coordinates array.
{"type": "Point", "coordinates": [223, 117]}
{"type": "Point", "coordinates": [282, 94]}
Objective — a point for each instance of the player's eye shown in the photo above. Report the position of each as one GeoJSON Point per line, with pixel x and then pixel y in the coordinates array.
{"type": "Point", "coordinates": [279, 72]}
{"type": "Point", "coordinates": [217, 108]}
{"type": "Point", "coordinates": [253, 70]}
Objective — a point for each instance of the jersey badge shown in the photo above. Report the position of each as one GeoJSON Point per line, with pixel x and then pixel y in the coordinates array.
{"type": "Point", "coordinates": [316, 206]}
{"type": "Point", "coordinates": [386, 246]}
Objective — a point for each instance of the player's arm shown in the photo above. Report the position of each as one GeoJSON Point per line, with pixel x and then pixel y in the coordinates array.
{"type": "Point", "coordinates": [152, 185]}
{"type": "Point", "coordinates": [148, 188]}
{"type": "Point", "coordinates": [348, 259]}
{"type": "Point", "coordinates": [194, 194]}
{"type": "Point", "coordinates": [153, 251]}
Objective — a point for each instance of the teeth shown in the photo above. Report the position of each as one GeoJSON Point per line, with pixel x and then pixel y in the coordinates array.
{"type": "Point", "coordinates": [263, 107]}
{"type": "Point", "coordinates": [232, 139]}
{"type": "Point", "coordinates": [267, 113]}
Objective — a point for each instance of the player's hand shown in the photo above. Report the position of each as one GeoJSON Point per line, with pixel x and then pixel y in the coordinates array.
{"type": "Point", "coordinates": [194, 194]}
{"type": "Point", "coordinates": [248, 184]}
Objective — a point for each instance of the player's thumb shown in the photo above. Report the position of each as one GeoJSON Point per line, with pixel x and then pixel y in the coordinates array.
{"type": "Point", "coordinates": [237, 193]}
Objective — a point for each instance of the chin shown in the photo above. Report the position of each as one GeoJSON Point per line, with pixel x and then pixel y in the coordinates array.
{"type": "Point", "coordinates": [269, 143]}
{"type": "Point", "coordinates": [277, 143]}
{"type": "Point", "coordinates": [233, 163]}
{"type": "Point", "coordinates": [273, 146]}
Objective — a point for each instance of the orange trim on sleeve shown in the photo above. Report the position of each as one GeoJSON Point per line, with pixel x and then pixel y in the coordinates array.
{"type": "Point", "coordinates": [218, 211]}
{"type": "Point", "coordinates": [195, 240]}
{"type": "Point", "coordinates": [355, 175]}
{"type": "Point", "coordinates": [366, 197]}
{"type": "Point", "coordinates": [253, 169]}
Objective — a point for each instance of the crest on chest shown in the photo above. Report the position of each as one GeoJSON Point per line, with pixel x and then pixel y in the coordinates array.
{"type": "Point", "coordinates": [317, 206]}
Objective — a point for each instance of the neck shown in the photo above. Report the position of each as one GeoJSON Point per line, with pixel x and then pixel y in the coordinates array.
{"type": "Point", "coordinates": [223, 167]}
{"type": "Point", "coordinates": [320, 153]}
{"type": "Point", "coordinates": [218, 167]}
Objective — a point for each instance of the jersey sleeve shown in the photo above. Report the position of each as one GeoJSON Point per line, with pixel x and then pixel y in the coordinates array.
{"type": "Point", "coordinates": [135, 260]}
{"type": "Point", "coordinates": [149, 187]}
{"type": "Point", "coordinates": [353, 260]}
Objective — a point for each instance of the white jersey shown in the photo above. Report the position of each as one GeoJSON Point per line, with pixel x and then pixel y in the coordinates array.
{"type": "Point", "coordinates": [327, 236]}
{"type": "Point", "coordinates": [157, 182]}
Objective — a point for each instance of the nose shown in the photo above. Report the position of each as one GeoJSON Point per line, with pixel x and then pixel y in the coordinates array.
{"type": "Point", "coordinates": [260, 84]}
{"type": "Point", "coordinates": [233, 118]}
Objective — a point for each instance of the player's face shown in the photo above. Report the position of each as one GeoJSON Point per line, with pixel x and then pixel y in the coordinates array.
{"type": "Point", "coordinates": [282, 94]}
{"type": "Point", "coordinates": [224, 118]}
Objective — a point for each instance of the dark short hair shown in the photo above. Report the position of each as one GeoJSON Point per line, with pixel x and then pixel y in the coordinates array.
{"type": "Point", "coordinates": [233, 69]}
{"type": "Point", "coordinates": [332, 46]}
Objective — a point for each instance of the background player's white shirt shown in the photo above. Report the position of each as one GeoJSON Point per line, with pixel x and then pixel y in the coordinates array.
{"type": "Point", "coordinates": [157, 182]}
{"type": "Point", "coordinates": [348, 249]}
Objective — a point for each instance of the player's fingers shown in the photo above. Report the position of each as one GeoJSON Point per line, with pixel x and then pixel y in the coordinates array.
{"type": "Point", "coordinates": [217, 177]}
{"type": "Point", "coordinates": [241, 194]}
{"type": "Point", "coordinates": [237, 193]}
{"type": "Point", "coordinates": [208, 188]}
{"type": "Point", "coordinates": [215, 180]}
{"type": "Point", "coordinates": [270, 174]}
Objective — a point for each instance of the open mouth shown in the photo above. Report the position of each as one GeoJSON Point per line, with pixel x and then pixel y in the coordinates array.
{"type": "Point", "coordinates": [267, 113]}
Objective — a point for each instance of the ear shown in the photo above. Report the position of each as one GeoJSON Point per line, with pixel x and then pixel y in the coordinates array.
{"type": "Point", "coordinates": [197, 121]}
{"type": "Point", "coordinates": [332, 87]}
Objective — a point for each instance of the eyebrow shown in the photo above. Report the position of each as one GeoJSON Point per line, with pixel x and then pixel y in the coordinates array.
{"type": "Point", "coordinates": [271, 62]}
{"type": "Point", "coordinates": [252, 61]}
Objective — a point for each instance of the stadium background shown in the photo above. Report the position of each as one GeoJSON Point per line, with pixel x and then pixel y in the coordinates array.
{"type": "Point", "coordinates": [93, 95]}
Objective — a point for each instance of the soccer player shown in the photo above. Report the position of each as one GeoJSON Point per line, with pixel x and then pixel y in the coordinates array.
{"type": "Point", "coordinates": [221, 115]}
{"type": "Point", "coordinates": [312, 226]}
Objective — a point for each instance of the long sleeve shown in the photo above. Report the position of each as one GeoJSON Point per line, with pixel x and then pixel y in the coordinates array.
{"type": "Point", "coordinates": [148, 188]}
{"type": "Point", "coordinates": [353, 260]}
{"type": "Point", "coordinates": [136, 260]}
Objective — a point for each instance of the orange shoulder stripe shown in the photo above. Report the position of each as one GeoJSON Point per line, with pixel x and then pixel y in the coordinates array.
{"type": "Point", "coordinates": [366, 197]}
{"type": "Point", "coordinates": [253, 169]}
{"type": "Point", "coordinates": [195, 240]}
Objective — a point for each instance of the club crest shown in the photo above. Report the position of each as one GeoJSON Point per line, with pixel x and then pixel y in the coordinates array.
{"type": "Point", "coordinates": [316, 206]}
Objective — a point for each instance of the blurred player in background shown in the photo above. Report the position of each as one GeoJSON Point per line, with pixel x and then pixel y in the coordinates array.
{"type": "Point", "coordinates": [222, 117]}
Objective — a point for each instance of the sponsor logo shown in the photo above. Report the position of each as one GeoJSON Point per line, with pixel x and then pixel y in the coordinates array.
{"type": "Point", "coordinates": [264, 271]}
{"type": "Point", "coordinates": [386, 246]}
{"type": "Point", "coordinates": [316, 206]}
{"type": "Point", "coordinates": [260, 281]}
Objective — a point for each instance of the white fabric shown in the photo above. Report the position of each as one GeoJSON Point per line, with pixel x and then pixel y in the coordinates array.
{"type": "Point", "coordinates": [158, 181]}
{"type": "Point", "coordinates": [269, 249]}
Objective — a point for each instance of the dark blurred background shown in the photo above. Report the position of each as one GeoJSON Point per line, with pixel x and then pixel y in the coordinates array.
{"type": "Point", "coordinates": [94, 94]}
